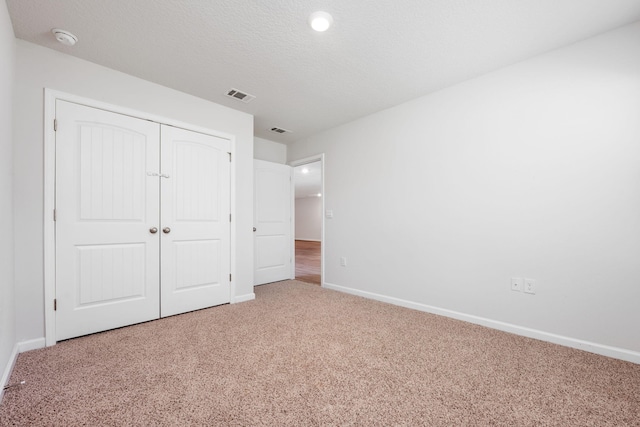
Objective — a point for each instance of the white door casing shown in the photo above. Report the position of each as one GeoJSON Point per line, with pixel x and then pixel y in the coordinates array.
{"type": "Point", "coordinates": [195, 234]}
{"type": "Point", "coordinates": [304, 161]}
{"type": "Point", "coordinates": [107, 260]}
{"type": "Point", "coordinates": [273, 243]}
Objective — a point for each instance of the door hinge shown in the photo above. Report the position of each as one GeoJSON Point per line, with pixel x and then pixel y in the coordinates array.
{"type": "Point", "coordinates": [229, 156]}
{"type": "Point", "coordinates": [229, 217]}
{"type": "Point", "coordinates": [55, 304]}
{"type": "Point", "coordinates": [229, 276]}
{"type": "Point", "coordinates": [55, 125]}
{"type": "Point", "coordinates": [55, 216]}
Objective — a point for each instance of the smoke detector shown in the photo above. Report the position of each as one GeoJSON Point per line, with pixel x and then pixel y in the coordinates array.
{"type": "Point", "coordinates": [64, 37]}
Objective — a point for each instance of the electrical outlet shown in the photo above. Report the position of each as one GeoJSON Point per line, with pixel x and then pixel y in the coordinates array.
{"type": "Point", "coordinates": [343, 261]}
{"type": "Point", "coordinates": [530, 286]}
{"type": "Point", "coordinates": [517, 284]}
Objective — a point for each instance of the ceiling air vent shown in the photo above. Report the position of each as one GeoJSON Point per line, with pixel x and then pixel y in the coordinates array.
{"type": "Point", "coordinates": [240, 96]}
{"type": "Point", "coordinates": [280, 130]}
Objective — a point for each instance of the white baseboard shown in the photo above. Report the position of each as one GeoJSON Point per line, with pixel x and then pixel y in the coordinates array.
{"type": "Point", "coordinates": [604, 350]}
{"type": "Point", "coordinates": [309, 240]}
{"type": "Point", "coordinates": [8, 369]}
{"type": "Point", "coordinates": [31, 345]}
{"type": "Point", "coordinates": [244, 298]}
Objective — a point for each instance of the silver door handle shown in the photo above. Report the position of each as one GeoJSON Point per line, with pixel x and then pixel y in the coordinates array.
{"type": "Point", "coordinates": [166, 230]}
{"type": "Point", "coordinates": [153, 230]}
{"type": "Point", "coordinates": [254, 229]}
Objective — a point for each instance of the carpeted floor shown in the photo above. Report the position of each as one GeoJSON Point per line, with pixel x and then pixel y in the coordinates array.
{"type": "Point", "coordinates": [301, 355]}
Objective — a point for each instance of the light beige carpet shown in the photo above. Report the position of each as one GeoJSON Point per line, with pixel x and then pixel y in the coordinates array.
{"type": "Point", "coordinates": [301, 355]}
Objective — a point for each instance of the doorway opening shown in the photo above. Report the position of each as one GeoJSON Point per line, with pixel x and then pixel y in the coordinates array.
{"type": "Point", "coordinates": [309, 219]}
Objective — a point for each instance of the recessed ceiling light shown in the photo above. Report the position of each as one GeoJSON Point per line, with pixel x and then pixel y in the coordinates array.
{"type": "Point", "coordinates": [64, 37]}
{"type": "Point", "coordinates": [320, 21]}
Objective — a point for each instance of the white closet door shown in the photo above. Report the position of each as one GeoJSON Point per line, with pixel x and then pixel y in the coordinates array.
{"type": "Point", "coordinates": [273, 251]}
{"type": "Point", "coordinates": [195, 201]}
{"type": "Point", "coordinates": [106, 203]}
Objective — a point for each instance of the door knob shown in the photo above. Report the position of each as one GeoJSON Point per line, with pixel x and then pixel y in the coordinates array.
{"type": "Point", "coordinates": [153, 230]}
{"type": "Point", "coordinates": [254, 229]}
{"type": "Point", "coordinates": [166, 230]}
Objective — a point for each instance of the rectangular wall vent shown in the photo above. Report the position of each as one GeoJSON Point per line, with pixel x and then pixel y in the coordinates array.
{"type": "Point", "coordinates": [240, 96]}
{"type": "Point", "coordinates": [280, 130]}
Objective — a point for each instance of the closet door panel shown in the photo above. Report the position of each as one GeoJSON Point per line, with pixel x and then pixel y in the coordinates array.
{"type": "Point", "coordinates": [107, 200]}
{"type": "Point", "coordinates": [195, 200]}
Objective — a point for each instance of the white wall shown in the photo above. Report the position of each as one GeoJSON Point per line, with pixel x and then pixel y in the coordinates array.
{"type": "Point", "coordinates": [530, 171]}
{"type": "Point", "coordinates": [7, 309]}
{"type": "Point", "coordinates": [38, 68]}
{"type": "Point", "coordinates": [270, 151]}
{"type": "Point", "coordinates": [308, 218]}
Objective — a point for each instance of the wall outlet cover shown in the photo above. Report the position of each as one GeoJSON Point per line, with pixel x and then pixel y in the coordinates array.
{"type": "Point", "coordinates": [530, 286]}
{"type": "Point", "coordinates": [517, 283]}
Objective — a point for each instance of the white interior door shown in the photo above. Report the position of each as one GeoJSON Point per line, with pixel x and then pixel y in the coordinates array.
{"type": "Point", "coordinates": [273, 243]}
{"type": "Point", "coordinates": [107, 264]}
{"type": "Point", "coordinates": [195, 200]}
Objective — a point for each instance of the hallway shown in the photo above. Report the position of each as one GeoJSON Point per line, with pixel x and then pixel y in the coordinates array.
{"type": "Point", "coordinates": [308, 261]}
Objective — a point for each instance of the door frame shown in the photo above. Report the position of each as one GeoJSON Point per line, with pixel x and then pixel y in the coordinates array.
{"type": "Point", "coordinates": [306, 160]}
{"type": "Point", "coordinates": [49, 237]}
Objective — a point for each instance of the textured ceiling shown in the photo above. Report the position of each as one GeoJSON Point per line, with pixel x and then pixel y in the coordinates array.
{"type": "Point", "coordinates": [379, 53]}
